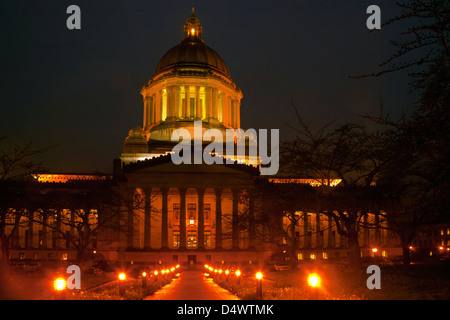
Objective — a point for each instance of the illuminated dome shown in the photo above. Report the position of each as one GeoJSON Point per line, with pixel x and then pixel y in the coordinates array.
{"type": "Point", "coordinates": [191, 84]}
{"type": "Point", "coordinates": [192, 52]}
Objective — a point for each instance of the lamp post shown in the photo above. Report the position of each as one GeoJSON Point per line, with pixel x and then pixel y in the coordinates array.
{"type": "Point", "coordinates": [155, 275]}
{"type": "Point", "coordinates": [60, 286]}
{"type": "Point", "coordinates": [238, 277]}
{"type": "Point", "coordinates": [259, 277]}
{"type": "Point", "coordinates": [313, 284]}
{"type": "Point", "coordinates": [144, 279]}
{"type": "Point", "coordinates": [226, 274]}
{"type": "Point", "coordinates": [122, 278]}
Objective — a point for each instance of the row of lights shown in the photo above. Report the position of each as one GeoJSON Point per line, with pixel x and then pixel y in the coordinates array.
{"type": "Point", "coordinates": [220, 271]}
{"type": "Point", "coordinates": [60, 284]}
{"type": "Point", "coordinates": [237, 273]}
{"type": "Point", "coordinates": [144, 276]}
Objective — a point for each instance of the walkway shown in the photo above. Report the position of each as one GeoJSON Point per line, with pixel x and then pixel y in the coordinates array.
{"type": "Point", "coordinates": [192, 285]}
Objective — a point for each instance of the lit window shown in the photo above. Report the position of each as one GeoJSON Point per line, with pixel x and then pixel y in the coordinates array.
{"type": "Point", "coordinates": [312, 256]}
{"type": "Point", "coordinates": [192, 31]}
{"type": "Point", "coordinates": [324, 255]}
{"type": "Point", "coordinates": [300, 256]}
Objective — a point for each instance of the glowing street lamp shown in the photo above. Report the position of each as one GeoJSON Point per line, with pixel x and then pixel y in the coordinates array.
{"type": "Point", "coordinates": [238, 276]}
{"type": "Point", "coordinates": [313, 284]}
{"type": "Point", "coordinates": [144, 279]}
{"type": "Point", "coordinates": [227, 272]}
{"type": "Point", "coordinates": [60, 286]}
{"type": "Point", "coordinates": [259, 277]}
{"type": "Point", "coordinates": [122, 278]}
{"type": "Point", "coordinates": [313, 280]}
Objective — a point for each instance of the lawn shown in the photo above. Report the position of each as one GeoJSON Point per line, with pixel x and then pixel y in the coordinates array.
{"type": "Point", "coordinates": [415, 282]}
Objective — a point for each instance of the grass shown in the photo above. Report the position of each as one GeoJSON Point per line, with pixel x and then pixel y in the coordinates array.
{"type": "Point", "coordinates": [415, 282]}
{"type": "Point", "coordinates": [110, 291]}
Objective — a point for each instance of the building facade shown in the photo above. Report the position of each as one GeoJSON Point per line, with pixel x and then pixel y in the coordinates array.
{"type": "Point", "coordinates": [186, 213]}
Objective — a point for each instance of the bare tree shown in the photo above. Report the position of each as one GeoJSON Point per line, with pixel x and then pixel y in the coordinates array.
{"type": "Point", "coordinates": [349, 153]}
{"type": "Point", "coordinates": [79, 212]}
{"type": "Point", "coordinates": [16, 167]}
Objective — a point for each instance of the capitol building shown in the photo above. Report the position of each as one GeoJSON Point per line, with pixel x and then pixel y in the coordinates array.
{"type": "Point", "coordinates": [190, 213]}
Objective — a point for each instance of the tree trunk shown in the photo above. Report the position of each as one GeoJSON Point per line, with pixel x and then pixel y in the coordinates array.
{"type": "Point", "coordinates": [5, 250]}
{"type": "Point", "coordinates": [355, 251]}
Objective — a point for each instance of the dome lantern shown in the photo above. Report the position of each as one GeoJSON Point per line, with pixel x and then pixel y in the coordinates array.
{"type": "Point", "coordinates": [193, 28]}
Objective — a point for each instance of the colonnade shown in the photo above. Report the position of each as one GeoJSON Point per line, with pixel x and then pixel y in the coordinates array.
{"type": "Point", "coordinates": [191, 102]}
{"type": "Point", "coordinates": [168, 222]}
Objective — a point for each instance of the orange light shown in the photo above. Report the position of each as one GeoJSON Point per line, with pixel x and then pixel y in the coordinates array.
{"type": "Point", "coordinates": [259, 276]}
{"type": "Point", "coordinates": [374, 250]}
{"type": "Point", "coordinates": [220, 271]}
{"type": "Point", "coordinates": [206, 266]}
{"type": "Point", "coordinates": [215, 270]}
{"type": "Point", "coordinates": [167, 270]}
{"type": "Point", "coordinates": [144, 274]}
{"type": "Point", "coordinates": [177, 266]}
{"type": "Point", "coordinates": [410, 247]}
{"type": "Point", "coordinates": [238, 273]}
{"type": "Point", "coordinates": [313, 280]}
{"type": "Point", "coordinates": [163, 271]}
{"type": "Point", "coordinates": [441, 248]}
{"type": "Point", "coordinates": [155, 272]}
{"type": "Point", "coordinates": [227, 272]}
{"type": "Point", "coordinates": [122, 276]}
{"type": "Point", "coordinates": [193, 31]}
{"type": "Point", "coordinates": [59, 284]}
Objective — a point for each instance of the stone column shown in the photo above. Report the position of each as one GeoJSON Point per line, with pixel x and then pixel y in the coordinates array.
{"type": "Point", "coordinates": [225, 109]}
{"type": "Point", "coordinates": [208, 96]}
{"type": "Point", "coordinates": [30, 232]}
{"type": "Point", "coordinates": [215, 103]}
{"type": "Point", "coordinates": [153, 108]}
{"type": "Point", "coordinates": [158, 100]}
{"type": "Point", "coordinates": [176, 93]}
{"type": "Point", "coordinates": [44, 231]}
{"type": "Point", "coordinates": [188, 101]}
{"type": "Point", "coordinates": [305, 231]}
{"type": "Point", "coordinates": [198, 106]}
{"type": "Point", "coordinates": [182, 192]}
{"type": "Point", "coordinates": [170, 101]}
{"type": "Point", "coordinates": [234, 221]}
{"type": "Point", "coordinates": [145, 122]}
{"type": "Point", "coordinates": [201, 219]}
{"type": "Point", "coordinates": [318, 235]}
{"type": "Point", "coordinates": [147, 218]}
{"type": "Point", "coordinates": [330, 233]}
{"type": "Point", "coordinates": [184, 104]}
{"type": "Point", "coordinates": [218, 218]}
{"type": "Point", "coordinates": [238, 113]}
{"type": "Point", "coordinates": [164, 221]}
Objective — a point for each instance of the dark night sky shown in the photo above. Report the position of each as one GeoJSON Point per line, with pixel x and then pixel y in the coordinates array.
{"type": "Point", "coordinates": [79, 89]}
